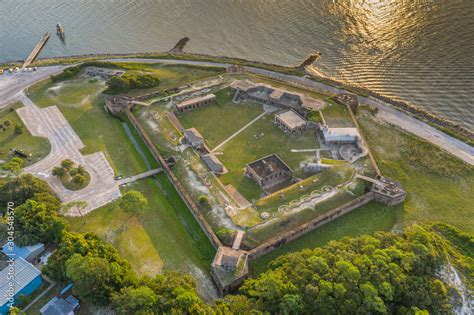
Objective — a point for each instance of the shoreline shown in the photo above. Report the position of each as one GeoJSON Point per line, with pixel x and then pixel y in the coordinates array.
{"type": "Point", "coordinates": [445, 125]}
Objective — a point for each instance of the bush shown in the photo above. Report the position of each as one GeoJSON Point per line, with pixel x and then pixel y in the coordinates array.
{"type": "Point", "coordinates": [204, 201]}
{"type": "Point", "coordinates": [18, 129]}
{"type": "Point", "coordinates": [129, 82]}
{"type": "Point", "coordinates": [78, 179]}
{"type": "Point", "coordinates": [66, 74]}
{"type": "Point", "coordinates": [14, 165]}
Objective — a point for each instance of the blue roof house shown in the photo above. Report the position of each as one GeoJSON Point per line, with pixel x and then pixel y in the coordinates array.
{"type": "Point", "coordinates": [28, 253]}
{"type": "Point", "coordinates": [18, 278]}
{"type": "Point", "coordinates": [60, 306]}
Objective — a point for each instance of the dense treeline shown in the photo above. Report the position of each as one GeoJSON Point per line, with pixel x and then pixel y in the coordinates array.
{"type": "Point", "coordinates": [381, 274]}
{"type": "Point", "coordinates": [386, 273]}
{"type": "Point", "coordinates": [127, 82]}
{"type": "Point", "coordinates": [66, 74]}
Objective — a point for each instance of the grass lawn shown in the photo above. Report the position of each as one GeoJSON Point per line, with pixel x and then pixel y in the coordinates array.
{"type": "Point", "coordinates": [337, 116]}
{"type": "Point", "coordinates": [439, 189]}
{"type": "Point", "coordinates": [80, 102]}
{"type": "Point", "coordinates": [164, 236]}
{"type": "Point", "coordinates": [246, 148]}
{"type": "Point", "coordinates": [330, 177]}
{"type": "Point", "coordinates": [217, 121]}
{"type": "Point", "coordinates": [36, 146]}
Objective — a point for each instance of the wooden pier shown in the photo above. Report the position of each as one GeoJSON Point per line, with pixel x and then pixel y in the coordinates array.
{"type": "Point", "coordinates": [36, 51]}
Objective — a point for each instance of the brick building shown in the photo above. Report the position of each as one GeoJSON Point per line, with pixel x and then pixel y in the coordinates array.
{"type": "Point", "coordinates": [194, 103]}
{"type": "Point", "coordinates": [269, 171]}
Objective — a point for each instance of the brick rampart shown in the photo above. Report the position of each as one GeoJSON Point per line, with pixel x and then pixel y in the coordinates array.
{"type": "Point", "coordinates": [295, 233]}
{"type": "Point", "coordinates": [177, 185]}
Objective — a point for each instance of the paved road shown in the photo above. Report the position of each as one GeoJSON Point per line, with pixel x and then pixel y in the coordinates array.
{"type": "Point", "coordinates": [386, 112]}
{"type": "Point", "coordinates": [13, 84]}
{"type": "Point", "coordinates": [65, 144]}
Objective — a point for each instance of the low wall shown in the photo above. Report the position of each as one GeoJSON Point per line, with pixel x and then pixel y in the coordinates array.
{"type": "Point", "coordinates": [295, 233]}
{"type": "Point", "coordinates": [177, 185]}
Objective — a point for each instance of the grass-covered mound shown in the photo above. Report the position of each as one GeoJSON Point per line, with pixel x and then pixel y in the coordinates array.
{"type": "Point", "coordinates": [127, 82]}
{"type": "Point", "coordinates": [72, 177]}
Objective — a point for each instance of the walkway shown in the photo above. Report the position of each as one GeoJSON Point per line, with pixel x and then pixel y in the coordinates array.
{"type": "Point", "coordinates": [238, 240]}
{"type": "Point", "coordinates": [139, 176]}
{"type": "Point", "coordinates": [49, 288]}
{"type": "Point", "coordinates": [386, 111]}
{"type": "Point", "coordinates": [238, 132]}
{"type": "Point", "coordinates": [366, 178]}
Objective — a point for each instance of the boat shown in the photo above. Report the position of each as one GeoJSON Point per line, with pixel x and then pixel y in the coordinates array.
{"type": "Point", "coordinates": [59, 29]}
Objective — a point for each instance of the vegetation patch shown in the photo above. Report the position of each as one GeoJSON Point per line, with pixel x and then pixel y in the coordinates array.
{"type": "Point", "coordinates": [17, 142]}
{"type": "Point", "coordinates": [127, 82]}
{"type": "Point", "coordinates": [386, 273]}
{"type": "Point", "coordinates": [72, 177]}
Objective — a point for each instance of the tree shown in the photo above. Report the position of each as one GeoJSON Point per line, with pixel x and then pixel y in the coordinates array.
{"type": "Point", "coordinates": [236, 304]}
{"type": "Point", "coordinates": [7, 124]}
{"type": "Point", "coordinates": [18, 129]}
{"type": "Point", "coordinates": [384, 273]}
{"type": "Point", "coordinates": [58, 171]}
{"type": "Point", "coordinates": [67, 164]}
{"type": "Point", "coordinates": [35, 223]}
{"type": "Point", "coordinates": [78, 179]}
{"type": "Point", "coordinates": [87, 244]}
{"type": "Point", "coordinates": [24, 187]}
{"type": "Point", "coordinates": [14, 165]}
{"type": "Point", "coordinates": [81, 170]}
{"type": "Point", "coordinates": [133, 202]}
{"type": "Point", "coordinates": [15, 311]}
{"type": "Point", "coordinates": [204, 201]}
{"type": "Point", "coordinates": [177, 294]}
{"type": "Point", "coordinates": [95, 278]}
{"type": "Point", "coordinates": [140, 300]}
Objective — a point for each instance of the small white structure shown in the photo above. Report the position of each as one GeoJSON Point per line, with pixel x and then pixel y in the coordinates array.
{"type": "Point", "coordinates": [340, 135]}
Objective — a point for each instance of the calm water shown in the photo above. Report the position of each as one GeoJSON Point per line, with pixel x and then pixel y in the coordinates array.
{"type": "Point", "coordinates": [418, 50]}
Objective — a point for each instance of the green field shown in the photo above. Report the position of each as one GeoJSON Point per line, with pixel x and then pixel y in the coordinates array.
{"type": "Point", "coordinates": [36, 146]}
{"type": "Point", "coordinates": [219, 120]}
{"type": "Point", "coordinates": [439, 189]}
{"type": "Point", "coordinates": [337, 116]}
{"type": "Point", "coordinates": [246, 148]}
{"type": "Point", "coordinates": [164, 236]}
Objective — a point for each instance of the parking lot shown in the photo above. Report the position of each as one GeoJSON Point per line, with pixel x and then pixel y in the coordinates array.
{"type": "Point", "coordinates": [65, 144]}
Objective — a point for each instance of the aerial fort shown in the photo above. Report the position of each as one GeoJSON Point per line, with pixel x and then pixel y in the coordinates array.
{"type": "Point", "coordinates": [295, 163]}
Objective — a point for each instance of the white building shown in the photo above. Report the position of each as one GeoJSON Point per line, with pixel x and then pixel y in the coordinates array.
{"type": "Point", "coordinates": [340, 135]}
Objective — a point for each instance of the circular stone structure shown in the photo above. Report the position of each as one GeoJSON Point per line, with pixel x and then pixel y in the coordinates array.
{"type": "Point", "coordinates": [349, 151]}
